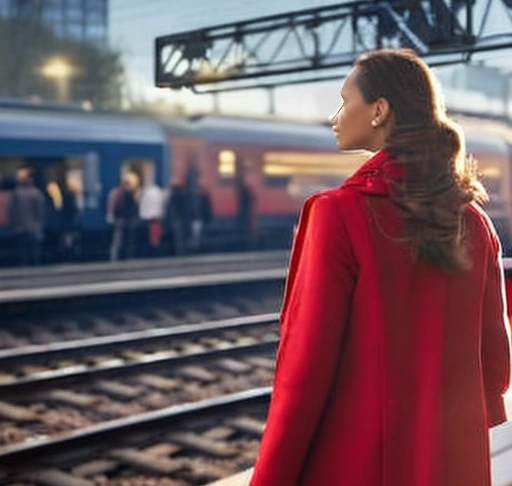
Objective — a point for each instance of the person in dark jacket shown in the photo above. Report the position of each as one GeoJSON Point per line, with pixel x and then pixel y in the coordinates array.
{"type": "Point", "coordinates": [26, 216]}
{"type": "Point", "coordinates": [175, 219]}
{"type": "Point", "coordinates": [246, 220]}
{"type": "Point", "coordinates": [125, 214]}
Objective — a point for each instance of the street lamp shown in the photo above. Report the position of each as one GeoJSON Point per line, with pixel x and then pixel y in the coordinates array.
{"type": "Point", "coordinates": [61, 71]}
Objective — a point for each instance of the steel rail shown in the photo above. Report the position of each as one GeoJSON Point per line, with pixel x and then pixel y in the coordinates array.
{"type": "Point", "coordinates": [101, 436]}
{"type": "Point", "coordinates": [70, 348]}
{"type": "Point", "coordinates": [65, 376]}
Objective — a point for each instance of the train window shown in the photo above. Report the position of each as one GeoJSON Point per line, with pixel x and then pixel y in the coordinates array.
{"type": "Point", "coordinates": [227, 164]}
{"type": "Point", "coordinates": [306, 172]}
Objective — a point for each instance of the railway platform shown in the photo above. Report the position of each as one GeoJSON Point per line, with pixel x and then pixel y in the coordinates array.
{"type": "Point", "coordinates": [501, 464]}
{"type": "Point", "coordinates": [240, 479]}
{"type": "Point", "coordinates": [62, 281]}
{"type": "Point", "coordinates": [501, 456]}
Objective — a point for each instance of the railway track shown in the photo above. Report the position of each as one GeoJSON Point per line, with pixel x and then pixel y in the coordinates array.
{"type": "Point", "coordinates": [178, 400]}
{"type": "Point", "coordinates": [185, 445]}
{"type": "Point", "coordinates": [203, 360]}
{"type": "Point", "coordinates": [104, 378]}
{"type": "Point", "coordinates": [84, 364]}
{"type": "Point", "coordinates": [106, 317]}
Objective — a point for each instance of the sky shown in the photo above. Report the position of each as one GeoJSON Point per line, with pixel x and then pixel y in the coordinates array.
{"type": "Point", "coordinates": [134, 25]}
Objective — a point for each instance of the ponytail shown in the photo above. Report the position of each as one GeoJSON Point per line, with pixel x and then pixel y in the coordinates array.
{"type": "Point", "coordinates": [439, 179]}
{"type": "Point", "coordinates": [439, 182]}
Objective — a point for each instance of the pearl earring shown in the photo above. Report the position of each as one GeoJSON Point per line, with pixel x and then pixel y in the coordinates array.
{"type": "Point", "coordinates": [374, 123]}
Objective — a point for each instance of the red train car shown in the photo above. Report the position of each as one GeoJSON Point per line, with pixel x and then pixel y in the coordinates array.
{"type": "Point", "coordinates": [282, 162]}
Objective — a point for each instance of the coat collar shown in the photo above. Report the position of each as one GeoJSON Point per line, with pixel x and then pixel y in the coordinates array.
{"type": "Point", "coordinates": [374, 175]}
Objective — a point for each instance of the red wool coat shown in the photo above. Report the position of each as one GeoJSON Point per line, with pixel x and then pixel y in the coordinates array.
{"type": "Point", "coordinates": [389, 373]}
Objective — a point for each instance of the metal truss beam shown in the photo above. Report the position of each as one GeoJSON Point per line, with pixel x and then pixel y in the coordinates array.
{"type": "Point", "coordinates": [322, 43]}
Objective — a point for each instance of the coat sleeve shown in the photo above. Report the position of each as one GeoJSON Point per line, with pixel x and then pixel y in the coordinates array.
{"type": "Point", "coordinates": [495, 337]}
{"type": "Point", "coordinates": [315, 312]}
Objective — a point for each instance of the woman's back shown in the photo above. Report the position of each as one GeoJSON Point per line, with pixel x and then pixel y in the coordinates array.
{"type": "Point", "coordinates": [384, 364]}
{"type": "Point", "coordinates": [394, 351]}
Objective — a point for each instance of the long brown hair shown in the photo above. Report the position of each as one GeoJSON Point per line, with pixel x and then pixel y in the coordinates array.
{"type": "Point", "coordinates": [440, 180]}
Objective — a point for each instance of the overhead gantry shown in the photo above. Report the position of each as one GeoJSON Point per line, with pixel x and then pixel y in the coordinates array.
{"type": "Point", "coordinates": [322, 43]}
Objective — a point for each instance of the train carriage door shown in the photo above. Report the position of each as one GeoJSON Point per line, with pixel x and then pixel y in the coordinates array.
{"type": "Point", "coordinates": [89, 174]}
{"type": "Point", "coordinates": [61, 180]}
{"type": "Point", "coordinates": [8, 168]}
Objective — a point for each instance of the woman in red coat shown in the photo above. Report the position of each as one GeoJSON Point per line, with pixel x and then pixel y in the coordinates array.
{"type": "Point", "coordinates": [394, 351]}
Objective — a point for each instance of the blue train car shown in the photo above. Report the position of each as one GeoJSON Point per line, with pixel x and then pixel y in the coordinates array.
{"type": "Point", "coordinates": [93, 149]}
{"type": "Point", "coordinates": [253, 174]}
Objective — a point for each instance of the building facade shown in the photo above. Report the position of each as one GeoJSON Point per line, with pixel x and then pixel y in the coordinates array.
{"type": "Point", "coordinates": [85, 20]}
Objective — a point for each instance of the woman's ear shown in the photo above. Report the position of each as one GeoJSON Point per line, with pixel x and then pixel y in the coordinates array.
{"type": "Point", "coordinates": [382, 111]}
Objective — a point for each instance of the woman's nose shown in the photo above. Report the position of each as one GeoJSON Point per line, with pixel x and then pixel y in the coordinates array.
{"type": "Point", "coordinates": [333, 117]}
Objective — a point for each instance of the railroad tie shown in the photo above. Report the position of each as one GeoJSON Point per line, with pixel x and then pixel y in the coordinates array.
{"type": "Point", "coordinates": [165, 317]}
{"type": "Point", "coordinates": [247, 340]}
{"type": "Point", "coordinates": [118, 390]}
{"type": "Point", "coordinates": [103, 326]}
{"type": "Point", "coordinates": [261, 362]}
{"type": "Point", "coordinates": [223, 311]}
{"type": "Point", "coordinates": [248, 425]}
{"type": "Point", "coordinates": [55, 477]}
{"type": "Point", "coordinates": [163, 449]}
{"type": "Point", "coordinates": [191, 315]}
{"type": "Point", "coordinates": [197, 373]}
{"type": "Point", "coordinates": [192, 348]}
{"type": "Point", "coordinates": [220, 432]}
{"type": "Point", "coordinates": [95, 467]}
{"type": "Point", "coordinates": [7, 377]}
{"type": "Point", "coordinates": [203, 444]}
{"type": "Point", "coordinates": [159, 382]}
{"type": "Point", "coordinates": [148, 462]}
{"type": "Point", "coordinates": [233, 366]}
{"type": "Point", "coordinates": [81, 400]}
{"type": "Point", "coordinates": [16, 412]}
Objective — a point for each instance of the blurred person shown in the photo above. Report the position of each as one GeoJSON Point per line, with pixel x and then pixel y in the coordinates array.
{"type": "Point", "coordinates": [54, 193]}
{"type": "Point", "coordinates": [193, 212]}
{"type": "Point", "coordinates": [395, 350]}
{"type": "Point", "coordinates": [245, 207]}
{"type": "Point", "coordinates": [151, 212]}
{"type": "Point", "coordinates": [174, 219]}
{"type": "Point", "coordinates": [26, 216]}
{"type": "Point", "coordinates": [123, 209]}
{"type": "Point", "coordinates": [71, 219]}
